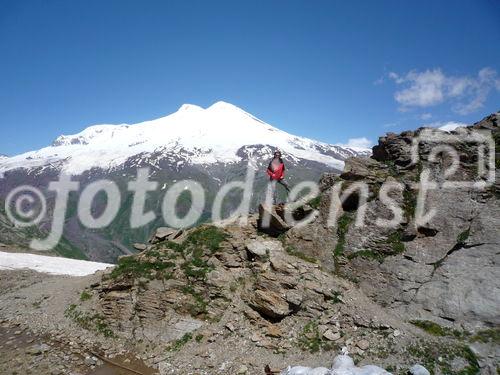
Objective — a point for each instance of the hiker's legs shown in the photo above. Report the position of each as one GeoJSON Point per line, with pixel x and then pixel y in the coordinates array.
{"type": "Point", "coordinates": [285, 185]}
{"type": "Point", "coordinates": [271, 192]}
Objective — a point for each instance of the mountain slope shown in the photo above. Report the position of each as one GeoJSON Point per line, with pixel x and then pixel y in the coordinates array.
{"type": "Point", "coordinates": [211, 146]}
{"type": "Point", "coordinates": [199, 136]}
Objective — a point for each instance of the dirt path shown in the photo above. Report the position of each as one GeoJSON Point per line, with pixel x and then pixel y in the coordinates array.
{"type": "Point", "coordinates": [23, 352]}
{"type": "Point", "coordinates": [36, 338]}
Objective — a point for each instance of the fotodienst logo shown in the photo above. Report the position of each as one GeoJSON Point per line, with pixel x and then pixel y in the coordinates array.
{"type": "Point", "coordinates": [27, 206]}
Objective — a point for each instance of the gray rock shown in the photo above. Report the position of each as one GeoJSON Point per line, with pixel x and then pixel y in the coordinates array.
{"type": "Point", "coordinates": [90, 361]}
{"type": "Point", "coordinates": [163, 232]}
{"type": "Point", "coordinates": [363, 344]}
{"type": "Point", "coordinates": [140, 246]}
{"type": "Point", "coordinates": [419, 370]}
{"type": "Point", "coordinates": [263, 248]}
{"type": "Point", "coordinates": [38, 349]}
{"type": "Point", "coordinates": [330, 335]}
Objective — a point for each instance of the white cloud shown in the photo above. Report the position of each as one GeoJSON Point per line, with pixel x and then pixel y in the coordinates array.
{"type": "Point", "coordinates": [432, 87]}
{"type": "Point", "coordinates": [358, 144]}
{"type": "Point", "coordinates": [446, 126]}
{"type": "Point", "coordinates": [425, 89]}
{"type": "Point", "coordinates": [425, 116]}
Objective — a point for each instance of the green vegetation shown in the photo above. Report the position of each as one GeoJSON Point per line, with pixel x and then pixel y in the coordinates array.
{"type": "Point", "coordinates": [85, 296]}
{"type": "Point", "coordinates": [292, 250]}
{"type": "Point", "coordinates": [196, 268]}
{"type": "Point", "coordinates": [435, 329]}
{"type": "Point", "coordinates": [428, 355]}
{"type": "Point", "coordinates": [198, 338]}
{"type": "Point", "coordinates": [315, 202]}
{"type": "Point", "coordinates": [88, 321]}
{"type": "Point", "coordinates": [487, 335]}
{"type": "Point", "coordinates": [394, 240]}
{"type": "Point", "coordinates": [135, 267]}
{"type": "Point", "coordinates": [205, 237]}
{"type": "Point", "coordinates": [310, 339]}
{"type": "Point", "coordinates": [199, 306]}
{"type": "Point", "coordinates": [336, 297]}
{"type": "Point", "coordinates": [393, 170]}
{"type": "Point", "coordinates": [208, 236]}
{"type": "Point", "coordinates": [462, 237]}
{"type": "Point", "coordinates": [178, 344]}
{"type": "Point", "coordinates": [342, 228]}
{"type": "Point", "coordinates": [189, 257]}
{"type": "Point", "coordinates": [409, 203]}
{"type": "Point", "coordinates": [68, 250]}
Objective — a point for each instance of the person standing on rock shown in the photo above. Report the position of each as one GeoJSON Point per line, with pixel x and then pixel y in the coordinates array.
{"type": "Point", "coordinates": [276, 173]}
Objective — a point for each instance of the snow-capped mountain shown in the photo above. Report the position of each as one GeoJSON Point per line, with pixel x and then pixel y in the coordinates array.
{"type": "Point", "coordinates": [197, 135]}
{"type": "Point", "coordinates": [211, 146]}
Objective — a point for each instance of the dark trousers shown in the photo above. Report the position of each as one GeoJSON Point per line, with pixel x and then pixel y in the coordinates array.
{"type": "Point", "coordinates": [271, 188]}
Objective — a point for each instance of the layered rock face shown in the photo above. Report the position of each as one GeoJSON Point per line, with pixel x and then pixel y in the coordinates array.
{"type": "Point", "coordinates": [446, 269]}
{"type": "Point", "coordinates": [234, 292]}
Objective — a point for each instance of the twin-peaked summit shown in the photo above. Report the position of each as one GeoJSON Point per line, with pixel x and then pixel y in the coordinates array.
{"type": "Point", "coordinates": [202, 136]}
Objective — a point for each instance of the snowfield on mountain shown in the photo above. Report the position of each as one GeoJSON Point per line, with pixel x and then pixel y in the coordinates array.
{"type": "Point", "coordinates": [202, 136]}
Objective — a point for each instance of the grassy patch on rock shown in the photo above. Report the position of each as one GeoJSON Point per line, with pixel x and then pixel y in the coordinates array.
{"type": "Point", "coordinates": [95, 322]}
{"type": "Point", "coordinates": [436, 329]}
{"type": "Point", "coordinates": [209, 237]}
{"type": "Point", "coordinates": [315, 202]}
{"type": "Point", "coordinates": [409, 203]}
{"type": "Point", "coordinates": [178, 344]}
{"type": "Point", "coordinates": [136, 267]}
{"type": "Point", "coordinates": [437, 358]}
{"type": "Point", "coordinates": [462, 237]}
{"type": "Point", "coordinates": [159, 262]}
{"type": "Point", "coordinates": [310, 339]}
{"type": "Point", "coordinates": [85, 296]}
{"type": "Point", "coordinates": [292, 250]}
{"type": "Point", "coordinates": [487, 335]}
{"type": "Point", "coordinates": [342, 228]}
{"type": "Point", "coordinates": [396, 243]}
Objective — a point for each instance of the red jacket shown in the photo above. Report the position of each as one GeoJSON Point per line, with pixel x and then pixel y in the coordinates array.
{"type": "Point", "coordinates": [276, 172]}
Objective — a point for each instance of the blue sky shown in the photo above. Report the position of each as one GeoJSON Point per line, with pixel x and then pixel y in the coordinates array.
{"type": "Point", "coordinates": [330, 70]}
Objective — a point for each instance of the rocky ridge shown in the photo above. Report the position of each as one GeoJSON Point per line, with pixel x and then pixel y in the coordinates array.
{"type": "Point", "coordinates": [231, 299]}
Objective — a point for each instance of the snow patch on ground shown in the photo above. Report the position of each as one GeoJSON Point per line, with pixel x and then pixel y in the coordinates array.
{"type": "Point", "coordinates": [50, 265]}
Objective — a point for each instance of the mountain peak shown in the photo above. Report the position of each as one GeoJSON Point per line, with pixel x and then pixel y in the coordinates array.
{"type": "Point", "coordinates": [206, 136]}
{"type": "Point", "coordinates": [190, 107]}
{"type": "Point", "coordinates": [224, 106]}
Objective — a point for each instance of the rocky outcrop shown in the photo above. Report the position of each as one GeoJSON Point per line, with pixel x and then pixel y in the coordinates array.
{"type": "Point", "coordinates": [447, 269]}
{"type": "Point", "coordinates": [415, 292]}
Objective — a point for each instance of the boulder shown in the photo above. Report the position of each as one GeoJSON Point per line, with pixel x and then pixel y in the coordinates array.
{"type": "Point", "coordinates": [270, 221]}
{"type": "Point", "coordinates": [165, 233]}
{"type": "Point", "coordinates": [269, 304]}
{"type": "Point", "coordinates": [264, 248]}
{"type": "Point", "coordinates": [140, 246]}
